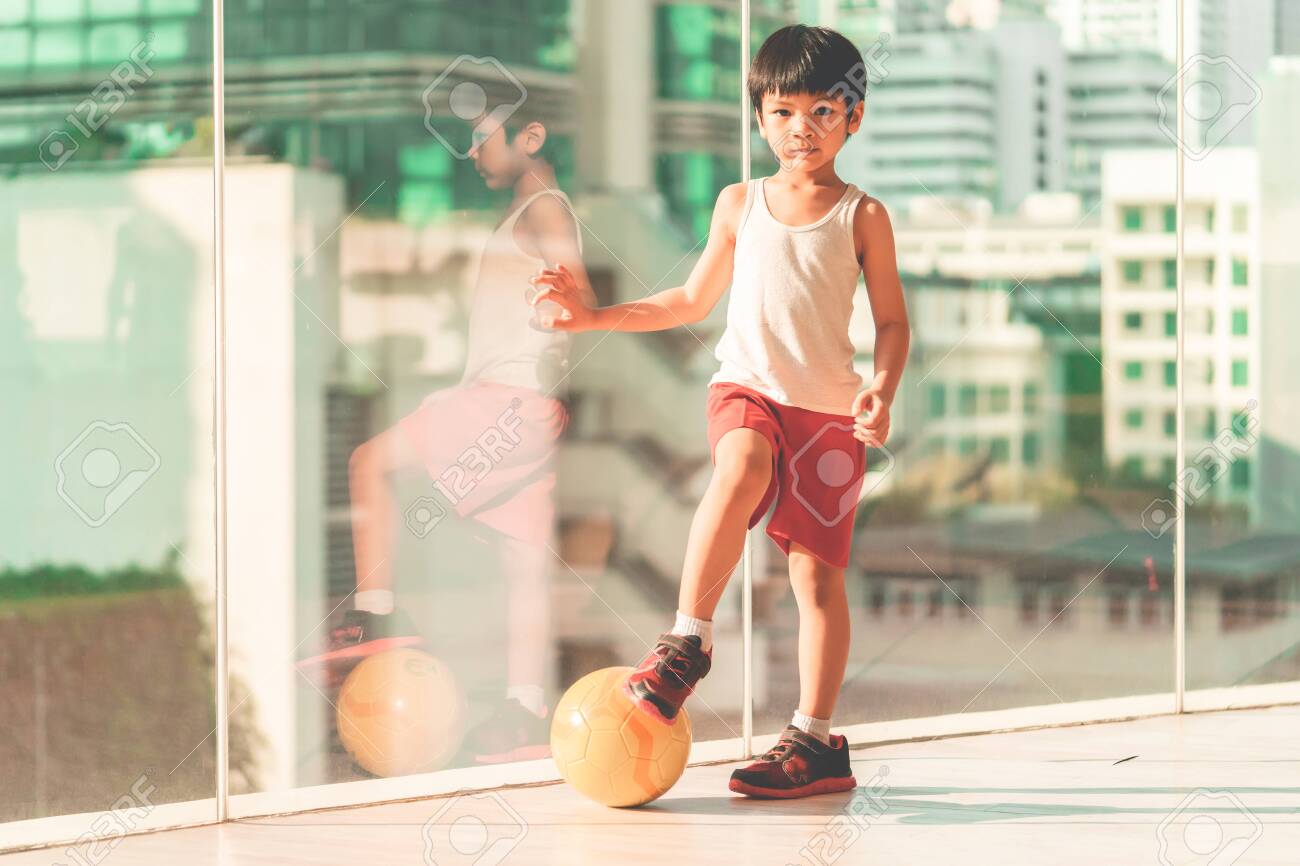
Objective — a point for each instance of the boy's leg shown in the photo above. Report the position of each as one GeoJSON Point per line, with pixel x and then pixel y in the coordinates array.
{"type": "Point", "coordinates": [368, 623]}
{"type": "Point", "coordinates": [742, 471]}
{"type": "Point", "coordinates": [518, 728]}
{"type": "Point", "coordinates": [663, 680]}
{"type": "Point", "coordinates": [807, 758]}
{"type": "Point", "coordinates": [824, 630]}
{"type": "Point", "coordinates": [374, 512]}
{"type": "Point", "coordinates": [528, 621]}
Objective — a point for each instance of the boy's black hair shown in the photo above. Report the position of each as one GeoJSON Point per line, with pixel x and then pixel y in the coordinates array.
{"type": "Point", "coordinates": [802, 59]}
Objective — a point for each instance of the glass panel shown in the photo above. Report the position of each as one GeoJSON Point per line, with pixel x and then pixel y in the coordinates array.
{"type": "Point", "coordinates": [1243, 448]}
{"type": "Point", "coordinates": [996, 547]}
{"type": "Point", "coordinates": [408, 426]}
{"type": "Point", "coordinates": [106, 522]}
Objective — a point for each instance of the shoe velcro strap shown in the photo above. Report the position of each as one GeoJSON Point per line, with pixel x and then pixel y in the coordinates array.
{"type": "Point", "coordinates": [808, 741]}
{"type": "Point", "coordinates": [688, 648]}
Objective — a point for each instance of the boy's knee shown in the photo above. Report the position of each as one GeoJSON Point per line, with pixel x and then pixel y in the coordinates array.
{"type": "Point", "coordinates": [745, 466]}
{"type": "Point", "coordinates": [814, 581]}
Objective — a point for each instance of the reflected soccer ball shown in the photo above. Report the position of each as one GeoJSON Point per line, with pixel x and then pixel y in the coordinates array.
{"type": "Point", "coordinates": [401, 711]}
{"type": "Point", "coordinates": [610, 750]}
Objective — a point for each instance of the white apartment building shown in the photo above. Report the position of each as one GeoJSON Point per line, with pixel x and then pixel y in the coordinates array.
{"type": "Point", "coordinates": [1223, 355]}
{"type": "Point", "coordinates": [991, 381]}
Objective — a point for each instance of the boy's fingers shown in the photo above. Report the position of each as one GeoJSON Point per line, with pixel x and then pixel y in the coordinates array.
{"type": "Point", "coordinates": [555, 297]}
{"type": "Point", "coordinates": [860, 403]}
{"type": "Point", "coordinates": [549, 277]}
{"type": "Point", "coordinates": [554, 293]}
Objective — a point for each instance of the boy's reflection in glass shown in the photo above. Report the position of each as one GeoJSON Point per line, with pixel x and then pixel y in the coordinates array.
{"type": "Point", "coordinates": [487, 443]}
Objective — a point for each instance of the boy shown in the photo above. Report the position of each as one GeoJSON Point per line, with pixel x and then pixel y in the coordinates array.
{"type": "Point", "coordinates": [487, 443]}
{"type": "Point", "coordinates": [788, 417]}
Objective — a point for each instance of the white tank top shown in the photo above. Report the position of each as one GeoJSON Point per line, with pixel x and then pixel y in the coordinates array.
{"type": "Point", "coordinates": [502, 345]}
{"type": "Point", "coordinates": [792, 288]}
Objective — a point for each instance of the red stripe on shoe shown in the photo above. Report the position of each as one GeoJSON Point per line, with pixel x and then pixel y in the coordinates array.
{"type": "Point", "coordinates": [360, 650]}
{"type": "Point", "coordinates": [829, 785]}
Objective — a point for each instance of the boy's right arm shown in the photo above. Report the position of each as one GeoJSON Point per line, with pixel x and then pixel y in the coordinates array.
{"type": "Point", "coordinates": [681, 305]}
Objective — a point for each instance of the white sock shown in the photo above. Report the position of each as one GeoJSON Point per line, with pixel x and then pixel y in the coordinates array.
{"type": "Point", "coordinates": [819, 728]}
{"type": "Point", "coordinates": [690, 625]}
{"type": "Point", "coordinates": [374, 600]}
{"type": "Point", "coordinates": [533, 698]}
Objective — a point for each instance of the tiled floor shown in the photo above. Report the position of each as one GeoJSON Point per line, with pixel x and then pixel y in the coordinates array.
{"type": "Point", "coordinates": [1221, 788]}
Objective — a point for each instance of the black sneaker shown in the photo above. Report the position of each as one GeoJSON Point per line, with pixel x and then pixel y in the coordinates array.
{"type": "Point", "coordinates": [359, 635]}
{"type": "Point", "coordinates": [799, 765]}
{"type": "Point", "coordinates": [512, 733]}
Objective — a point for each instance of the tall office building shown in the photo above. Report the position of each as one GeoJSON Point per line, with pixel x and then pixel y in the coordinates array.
{"type": "Point", "coordinates": [968, 113]}
{"type": "Point", "coordinates": [932, 124]}
{"type": "Point", "coordinates": [1032, 110]}
{"type": "Point", "coordinates": [1112, 103]}
{"type": "Point", "coordinates": [1149, 24]}
{"type": "Point", "coordinates": [924, 16]}
{"type": "Point", "coordinates": [1286, 28]}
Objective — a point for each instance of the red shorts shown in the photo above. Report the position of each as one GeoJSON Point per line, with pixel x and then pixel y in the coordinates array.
{"type": "Point", "coordinates": [817, 469]}
{"type": "Point", "coordinates": [488, 449]}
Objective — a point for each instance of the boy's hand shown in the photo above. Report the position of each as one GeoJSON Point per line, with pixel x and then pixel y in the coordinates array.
{"type": "Point", "coordinates": [873, 429]}
{"type": "Point", "coordinates": [559, 287]}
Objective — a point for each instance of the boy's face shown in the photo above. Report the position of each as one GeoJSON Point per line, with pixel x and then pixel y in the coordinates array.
{"type": "Point", "coordinates": [806, 130]}
{"type": "Point", "coordinates": [501, 158]}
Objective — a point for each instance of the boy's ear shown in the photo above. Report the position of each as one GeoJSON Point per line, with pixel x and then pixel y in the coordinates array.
{"type": "Point", "coordinates": [855, 116]}
{"type": "Point", "coordinates": [532, 138]}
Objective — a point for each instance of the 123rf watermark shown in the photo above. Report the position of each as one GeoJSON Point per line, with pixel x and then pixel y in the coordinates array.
{"type": "Point", "coordinates": [102, 468]}
{"type": "Point", "coordinates": [1208, 828]}
{"type": "Point", "coordinates": [469, 469]}
{"type": "Point", "coordinates": [1209, 465]}
{"type": "Point", "coordinates": [472, 830]}
{"type": "Point", "coordinates": [108, 829]}
{"type": "Point", "coordinates": [90, 114]}
{"type": "Point", "coordinates": [843, 830]}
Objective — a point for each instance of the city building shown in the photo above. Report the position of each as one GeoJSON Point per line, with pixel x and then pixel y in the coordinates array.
{"type": "Point", "coordinates": [1006, 340]}
{"type": "Point", "coordinates": [1114, 101]}
{"type": "Point", "coordinates": [931, 126]}
{"type": "Point", "coordinates": [1144, 24]}
{"type": "Point", "coordinates": [1222, 319]}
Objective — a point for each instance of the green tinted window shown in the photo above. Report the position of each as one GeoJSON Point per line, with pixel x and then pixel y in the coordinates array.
{"type": "Point", "coordinates": [1239, 323]}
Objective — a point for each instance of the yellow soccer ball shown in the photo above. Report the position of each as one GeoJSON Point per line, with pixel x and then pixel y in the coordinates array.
{"type": "Point", "coordinates": [610, 750]}
{"type": "Point", "coordinates": [400, 712]}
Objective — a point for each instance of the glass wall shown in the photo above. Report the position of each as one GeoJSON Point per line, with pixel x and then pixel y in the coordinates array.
{"type": "Point", "coordinates": [399, 422]}
{"type": "Point", "coordinates": [106, 541]}
{"type": "Point", "coordinates": [400, 432]}
{"type": "Point", "coordinates": [1241, 411]}
{"type": "Point", "coordinates": [1001, 557]}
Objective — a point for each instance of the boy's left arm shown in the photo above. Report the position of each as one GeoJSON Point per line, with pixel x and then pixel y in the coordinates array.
{"type": "Point", "coordinates": [554, 231]}
{"type": "Point", "coordinates": [889, 310]}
